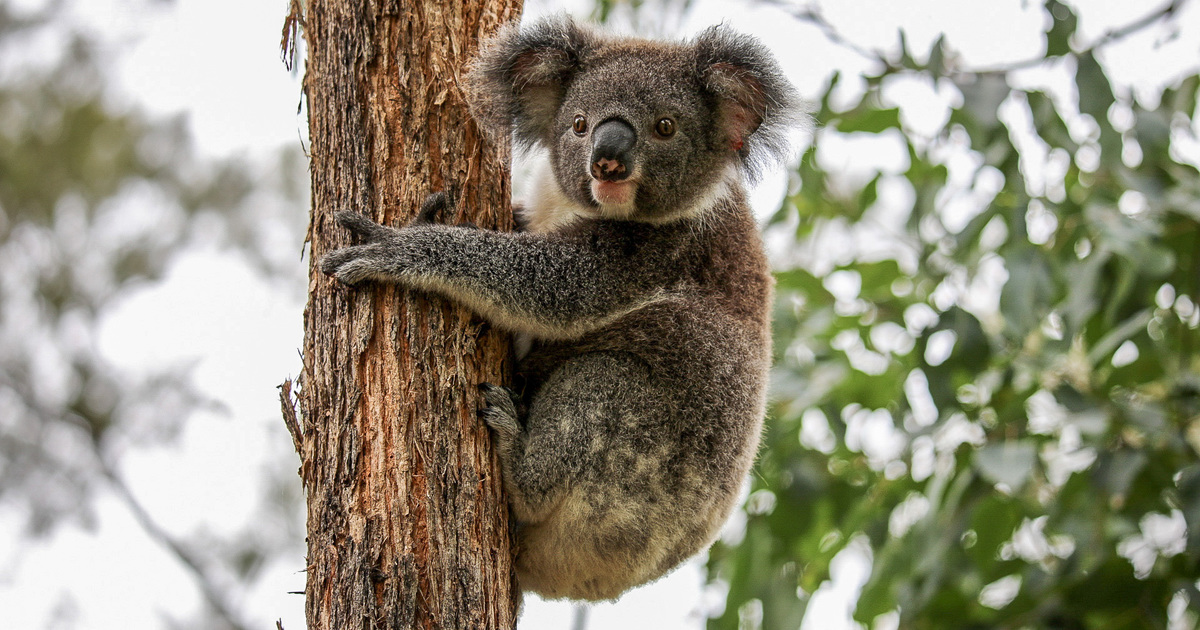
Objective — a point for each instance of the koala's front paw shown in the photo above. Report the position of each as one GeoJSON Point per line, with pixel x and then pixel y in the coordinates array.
{"type": "Point", "coordinates": [501, 413]}
{"type": "Point", "coordinates": [351, 265]}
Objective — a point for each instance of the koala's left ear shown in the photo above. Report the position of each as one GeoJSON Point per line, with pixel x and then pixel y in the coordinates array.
{"type": "Point", "coordinates": [520, 76]}
{"type": "Point", "coordinates": [757, 106]}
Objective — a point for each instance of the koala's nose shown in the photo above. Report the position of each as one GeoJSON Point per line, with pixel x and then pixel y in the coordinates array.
{"type": "Point", "coordinates": [612, 141]}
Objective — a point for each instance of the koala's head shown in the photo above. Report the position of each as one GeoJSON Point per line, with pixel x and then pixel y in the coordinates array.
{"type": "Point", "coordinates": [636, 129]}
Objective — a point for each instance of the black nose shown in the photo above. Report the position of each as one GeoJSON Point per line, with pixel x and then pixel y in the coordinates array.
{"type": "Point", "coordinates": [612, 141]}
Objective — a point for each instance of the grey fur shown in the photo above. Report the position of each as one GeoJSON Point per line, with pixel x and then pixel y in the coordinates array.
{"type": "Point", "coordinates": [643, 394]}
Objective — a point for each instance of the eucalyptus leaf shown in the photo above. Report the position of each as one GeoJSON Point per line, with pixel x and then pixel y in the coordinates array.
{"type": "Point", "coordinates": [869, 121]}
{"type": "Point", "coordinates": [1062, 27]}
{"type": "Point", "coordinates": [1010, 463]}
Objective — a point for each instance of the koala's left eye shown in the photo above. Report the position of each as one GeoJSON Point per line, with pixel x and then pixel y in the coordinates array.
{"type": "Point", "coordinates": [665, 127]}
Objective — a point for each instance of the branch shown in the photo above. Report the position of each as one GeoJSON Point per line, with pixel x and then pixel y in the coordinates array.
{"type": "Point", "coordinates": [208, 587]}
{"type": "Point", "coordinates": [1110, 36]}
{"type": "Point", "coordinates": [215, 597]}
{"type": "Point", "coordinates": [811, 14]}
{"type": "Point", "coordinates": [1117, 34]}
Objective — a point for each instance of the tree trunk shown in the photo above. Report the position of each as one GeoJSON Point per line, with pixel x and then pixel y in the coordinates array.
{"type": "Point", "coordinates": [407, 524]}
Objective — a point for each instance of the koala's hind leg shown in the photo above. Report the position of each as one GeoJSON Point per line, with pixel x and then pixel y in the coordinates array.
{"type": "Point", "coordinates": [532, 488]}
{"type": "Point", "coordinates": [580, 422]}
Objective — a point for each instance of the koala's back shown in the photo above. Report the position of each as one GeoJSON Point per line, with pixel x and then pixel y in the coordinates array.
{"type": "Point", "coordinates": [657, 414]}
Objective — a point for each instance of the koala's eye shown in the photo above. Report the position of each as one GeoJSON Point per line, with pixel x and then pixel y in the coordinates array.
{"type": "Point", "coordinates": [665, 127]}
{"type": "Point", "coordinates": [580, 125]}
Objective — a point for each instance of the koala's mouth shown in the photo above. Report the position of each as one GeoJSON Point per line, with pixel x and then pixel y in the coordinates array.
{"type": "Point", "coordinates": [618, 194]}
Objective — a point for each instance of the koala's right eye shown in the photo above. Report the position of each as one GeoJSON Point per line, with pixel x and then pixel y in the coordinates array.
{"type": "Point", "coordinates": [665, 127]}
{"type": "Point", "coordinates": [580, 125]}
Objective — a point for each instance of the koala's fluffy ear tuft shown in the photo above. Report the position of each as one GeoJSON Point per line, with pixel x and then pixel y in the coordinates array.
{"type": "Point", "coordinates": [518, 81]}
{"type": "Point", "coordinates": [757, 106]}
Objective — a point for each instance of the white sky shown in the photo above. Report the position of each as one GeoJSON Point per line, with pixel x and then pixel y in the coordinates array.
{"type": "Point", "coordinates": [217, 61]}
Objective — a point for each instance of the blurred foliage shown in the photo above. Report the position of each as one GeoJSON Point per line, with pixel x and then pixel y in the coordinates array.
{"type": "Point", "coordinates": [1001, 404]}
{"type": "Point", "coordinates": [95, 200]}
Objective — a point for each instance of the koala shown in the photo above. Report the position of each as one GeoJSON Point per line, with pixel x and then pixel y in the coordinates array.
{"type": "Point", "coordinates": [638, 278]}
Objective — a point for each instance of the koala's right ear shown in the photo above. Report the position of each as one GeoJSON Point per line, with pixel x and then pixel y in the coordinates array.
{"type": "Point", "coordinates": [520, 77]}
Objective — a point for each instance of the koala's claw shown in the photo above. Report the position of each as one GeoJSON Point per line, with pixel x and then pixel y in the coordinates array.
{"type": "Point", "coordinates": [501, 397]}
{"type": "Point", "coordinates": [361, 226]}
{"type": "Point", "coordinates": [433, 210]}
{"type": "Point", "coordinates": [331, 261]}
{"type": "Point", "coordinates": [348, 264]}
{"type": "Point", "coordinates": [351, 265]}
{"type": "Point", "coordinates": [501, 413]}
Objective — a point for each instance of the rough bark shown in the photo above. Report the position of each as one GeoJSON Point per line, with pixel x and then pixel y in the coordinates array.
{"type": "Point", "coordinates": [407, 524]}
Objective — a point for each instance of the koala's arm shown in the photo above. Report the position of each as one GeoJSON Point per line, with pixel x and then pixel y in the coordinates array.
{"type": "Point", "coordinates": [544, 285]}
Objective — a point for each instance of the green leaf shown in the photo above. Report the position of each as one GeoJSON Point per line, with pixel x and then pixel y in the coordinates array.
{"type": "Point", "coordinates": [1048, 123]}
{"type": "Point", "coordinates": [869, 194]}
{"type": "Point", "coordinates": [1113, 339]}
{"type": "Point", "coordinates": [804, 282]}
{"type": "Point", "coordinates": [1181, 98]}
{"type": "Point", "coordinates": [1099, 275]}
{"type": "Point", "coordinates": [1153, 132]}
{"type": "Point", "coordinates": [1114, 471]}
{"type": "Point", "coordinates": [877, 278]}
{"type": "Point", "coordinates": [1062, 28]}
{"type": "Point", "coordinates": [1010, 463]}
{"type": "Point", "coordinates": [1083, 292]}
{"type": "Point", "coordinates": [993, 522]}
{"type": "Point", "coordinates": [906, 58]}
{"type": "Point", "coordinates": [1029, 292]}
{"type": "Point", "coordinates": [1189, 496]}
{"type": "Point", "coordinates": [1112, 588]}
{"type": "Point", "coordinates": [825, 111]}
{"type": "Point", "coordinates": [869, 120]}
{"type": "Point", "coordinates": [982, 95]}
{"type": "Point", "coordinates": [1095, 99]}
{"type": "Point", "coordinates": [937, 56]}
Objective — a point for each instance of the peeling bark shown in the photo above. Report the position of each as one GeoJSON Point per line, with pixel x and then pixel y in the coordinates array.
{"type": "Point", "coordinates": [407, 524]}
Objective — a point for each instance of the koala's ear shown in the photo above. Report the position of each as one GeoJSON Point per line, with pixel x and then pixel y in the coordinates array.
{"type": "Point", "coordinates": [520, 77]}
{"type": "Point", "coordinates": [756, 105]}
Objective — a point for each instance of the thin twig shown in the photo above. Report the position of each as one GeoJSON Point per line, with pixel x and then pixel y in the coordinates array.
{"type": "Point", "coordinates": [292, 25]}
{"type": "Point", "coordinates": [289, 416]}
{"type": "Point", "coordinates": [579, 618]}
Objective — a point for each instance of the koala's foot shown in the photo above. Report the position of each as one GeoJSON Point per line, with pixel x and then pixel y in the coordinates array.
{"type": "Point", "coordinates": [502, 413]}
